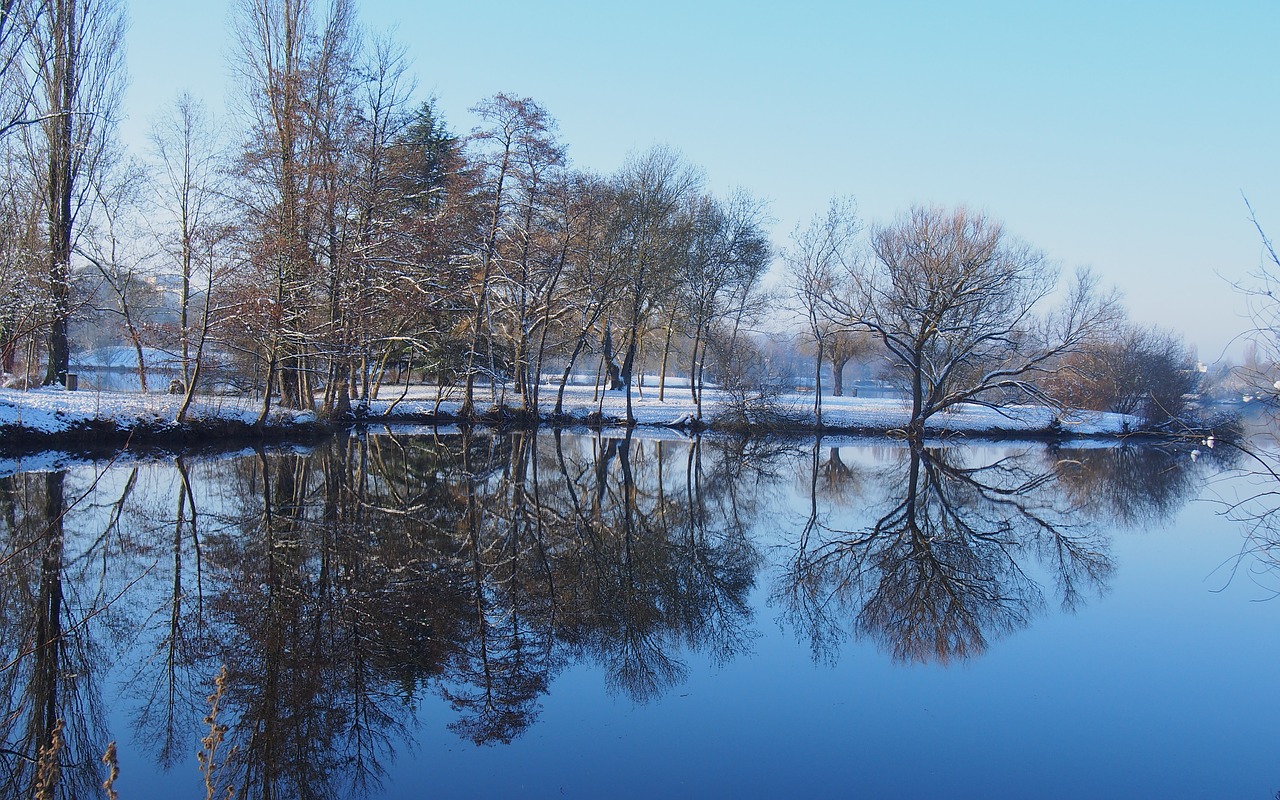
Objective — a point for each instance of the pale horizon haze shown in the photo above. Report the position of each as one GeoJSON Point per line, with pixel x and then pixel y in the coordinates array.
{"type": "Point", "coordinates": [1119, 136]}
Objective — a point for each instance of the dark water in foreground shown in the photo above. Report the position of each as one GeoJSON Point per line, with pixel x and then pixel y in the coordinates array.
{"type": "Point", "coordinates": [565, 615]}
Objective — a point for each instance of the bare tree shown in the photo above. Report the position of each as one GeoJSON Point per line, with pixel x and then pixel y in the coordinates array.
{"type": "Point", "coordinates": [725, 255]}
{"type": "Point", "coordinates": [821, 252]}
{"type": "Point", "coordinates": [296, 65]}
{"type": "Point", "coordinates": [956, 302]}
{"type": "Point", "coordinates": [76, 60]}
{"type": "Point", "coordinates": [512, 147]}
{"type": "Point", "coordinates": [24, 306]}
{"type": "Point", "coordinates": [1136, 369]}
{"type": "Point", "coordinates": [108, 248]}
{"type": "Point", "coordinates": [593, 276]}
{"type": "Point", "coordinates": [188, 187]}
{"type": "Point", "coordinates": [653, 188]}
{"type": "Point", "coordinates": [843, 346]}
{"type": "Point", "coordinates": [531, 265]}
{"type": "Point", "coordinates": [361, 192]}
{"type": "Point", "coordinates": [1261, 370]}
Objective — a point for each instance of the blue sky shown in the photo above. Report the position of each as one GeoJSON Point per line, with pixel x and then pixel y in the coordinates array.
{"type": "Point", "coordinates": [1113, 135]}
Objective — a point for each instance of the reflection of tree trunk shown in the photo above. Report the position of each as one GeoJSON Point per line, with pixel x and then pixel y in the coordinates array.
{"type": "Point", "coordinates": [604, 458]}
{"type": "Point", "coordinates": [261, 756]}
{"type": "Point", "coordinates": [47, 666]}
{"type": "Point", "coordinates": [48, 722]}
{"type": "Point", "coordinates": [169, 733]}
{"type": "Point", "coordinates": [540, 531]}
{"type": "Point", "coordinates": [474, 521]}
{"type": "Point", "coordinates": [811, 524]}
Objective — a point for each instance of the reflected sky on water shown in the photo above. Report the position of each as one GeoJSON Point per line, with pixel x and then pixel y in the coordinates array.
{"type": "Point", "coordinates": [400, 614]}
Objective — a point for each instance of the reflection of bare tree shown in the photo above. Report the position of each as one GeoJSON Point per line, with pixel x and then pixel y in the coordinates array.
{"type": "Point", "coordinates": [839, 483]}
{"type": "Point", "coordinates": [172, 697]}
{"type": "Point", "coordinates": [654, 558]}
{"type": "Point", "coordinates": [1252, 500]}
{"type": "Point", "coordinates": [48, 669]}
{"type": "Point", "coordinates": [331, 607]}
{"type": "Point", "coordinates": [504, 661]}
{"type": "Point", "coordinates": [947, 567]}
{"type": "Point", "coordinates": [336, 584]}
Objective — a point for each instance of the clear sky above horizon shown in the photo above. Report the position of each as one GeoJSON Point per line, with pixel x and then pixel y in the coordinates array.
{"type": "Point", "coordinates": [1120, 136]}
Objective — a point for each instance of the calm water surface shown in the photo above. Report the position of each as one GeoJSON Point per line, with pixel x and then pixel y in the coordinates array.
{"type": "Point", "coordinates": [407, 615]}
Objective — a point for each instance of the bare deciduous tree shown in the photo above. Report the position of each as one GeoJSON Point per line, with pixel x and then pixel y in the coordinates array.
{"type": "Point", "coordinates": [512, 148]}
{"type": "Point", "coordinates": [957, 304]}
{"type": "Point", "coordinates": [76, 55]}
{"type": "Point", "coordinates": [652, 189]}
{"type": "Point", "coordinates": [843, 346]}
{"type": "Point", "coordinates": [190, 187]}
{"type": "Point", "coordinates": [821, 252]}
{"type": "Point", "coordinates": [1134, 370]}
{"type": "Point", "coordinates": [296, 60]}
{"type": "Point", "coordinates": [723, 260]}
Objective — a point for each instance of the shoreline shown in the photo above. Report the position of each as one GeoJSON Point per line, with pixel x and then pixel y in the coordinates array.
{"type": "Point", "coordinates": [104, 423]}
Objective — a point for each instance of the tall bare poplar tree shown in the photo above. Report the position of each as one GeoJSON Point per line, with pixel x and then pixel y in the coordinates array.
{"type": "Point", "coordinates": [76, 62]}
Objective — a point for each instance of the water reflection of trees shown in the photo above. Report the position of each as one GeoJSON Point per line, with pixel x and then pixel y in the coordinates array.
{"type": "Point", "coordinates": [49, 676]}
{"type": "Point", "coordinates": [1250, 499]}
{"type": "Point", "coordinates": [337, 586]}
{"type": "Point", "coordinates": [340, 586]}
{"type": "Point", "coordinates": [1131, 486]}
{"type": "Point", "coordinates": [962, 552]}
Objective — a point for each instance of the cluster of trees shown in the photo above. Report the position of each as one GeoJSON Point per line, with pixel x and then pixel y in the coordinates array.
{"type": "Point", "coordinates": [350, 235]}
{"type": "Point", "coordinates": [350, 230]}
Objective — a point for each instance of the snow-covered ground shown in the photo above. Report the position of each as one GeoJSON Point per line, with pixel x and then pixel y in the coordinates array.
{"type": "Point", "coordinates": [54, 410]}
{"type": "Point", "coordinates": [857, 413]}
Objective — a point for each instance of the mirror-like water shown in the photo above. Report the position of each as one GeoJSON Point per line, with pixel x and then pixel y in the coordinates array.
{"type": "Point", "coordinates": [556, 615]}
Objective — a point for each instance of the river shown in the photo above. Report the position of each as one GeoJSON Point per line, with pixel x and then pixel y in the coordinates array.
{"type": "Point", "coordinates": [410, 613]}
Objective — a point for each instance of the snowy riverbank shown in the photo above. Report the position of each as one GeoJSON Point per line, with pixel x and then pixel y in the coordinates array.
{"type": "Point", "coordinates": [54, 415]}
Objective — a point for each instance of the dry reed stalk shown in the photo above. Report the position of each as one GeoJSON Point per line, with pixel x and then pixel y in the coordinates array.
{"type": "Point", "coordinates": [47, 768]}
{"type": "Point", "coordinates": [113, 766]}
{"type": "Point", "coordinates": [212, 740]}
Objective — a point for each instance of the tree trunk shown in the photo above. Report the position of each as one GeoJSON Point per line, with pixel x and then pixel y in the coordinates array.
{"type": "Point", "coordinates": [837, 376]}
{"type": "Point", "coordinates": [62, 97]}
{"type": "Point", "coordinates": [817, 384]}
{"type": "Point", "coordinates": [666, 351]}
{"type": "Point", "coordinates": [568, 370]}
